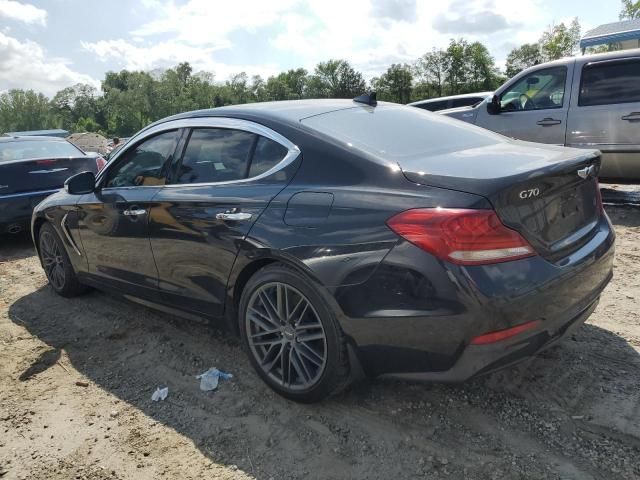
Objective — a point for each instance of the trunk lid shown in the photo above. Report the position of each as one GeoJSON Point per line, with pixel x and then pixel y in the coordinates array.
{"type": "Point", "coordinates": [535, 189]}
{"type": "Point", "coordinates": [32, 175]}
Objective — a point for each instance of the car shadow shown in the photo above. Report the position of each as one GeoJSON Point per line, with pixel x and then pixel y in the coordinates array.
{"type": "Point", "coordinates": [624, 216]}
{"type": "Point", "coordinates": [128, 350]}
{"type": "Point", "coordinates": [16, 246]}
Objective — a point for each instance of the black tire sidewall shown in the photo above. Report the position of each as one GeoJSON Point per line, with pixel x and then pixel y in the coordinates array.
{"type": "Point", "coordinates": [330, 376]}
{"type": "Point", "coordinates": [70, 279]}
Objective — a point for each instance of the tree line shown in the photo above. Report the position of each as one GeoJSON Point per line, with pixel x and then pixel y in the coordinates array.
{"type": "Point", "coordinates": [129, 100]}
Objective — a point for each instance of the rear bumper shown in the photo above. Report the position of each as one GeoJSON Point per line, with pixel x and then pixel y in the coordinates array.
{"type": "Point", "coordinates": [16, 209]}
{"type": "Point", "coordinates": [417, 316]}
{"type": "Point", "coordinates": [477, 360]}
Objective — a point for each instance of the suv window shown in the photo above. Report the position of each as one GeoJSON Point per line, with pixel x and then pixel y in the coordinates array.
{"type": "Point", "coordinates": [267, 155]}
{"type": "Point", "coordinates": [433, 106]}
{"type": "Point", "coordinates": [609, 83]}
{"type": "Point", "coordinates": [216, 155]}
{"type": "Point", "coordinates": [540, 90]}
{"type": "Point", "coordinates": [465, 102]}
{"type": "Point", "coordinates": [144, 164]}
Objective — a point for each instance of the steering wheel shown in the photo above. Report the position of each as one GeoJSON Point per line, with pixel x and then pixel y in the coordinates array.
{"type": "Point", "coordinates": [524, 100]}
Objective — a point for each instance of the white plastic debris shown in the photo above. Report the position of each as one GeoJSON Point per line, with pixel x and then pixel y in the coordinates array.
{"type": "Point", "coordinates": [209, 379]}
{"type": "Point", "coordinates": [160, 394]}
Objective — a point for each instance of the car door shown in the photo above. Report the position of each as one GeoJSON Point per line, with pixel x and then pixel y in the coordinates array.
{"type": "Point", "coordinates": [605, 114]}
{"type": "Point", "coordinates": [113, 220]}
{"type": "Point", "coordinates": [534, 106]}
{"type": "Point", "coordinates": [227, 175]}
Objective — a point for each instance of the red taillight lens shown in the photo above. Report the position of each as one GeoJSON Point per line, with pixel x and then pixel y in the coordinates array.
{"type": "Point", "coordinates": [100, 163]}
{"type": "Point", "coordinates": [500, 335]}
{"type": "Point", "coordinates": [462, 236]}
{"type": "Point", "coordinates": [45, 162]}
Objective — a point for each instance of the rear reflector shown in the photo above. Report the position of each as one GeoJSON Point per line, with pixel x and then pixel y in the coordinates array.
{"type": "Point", "coordinates": [461, 236]}
{"type": "Point", "coordinates": [100, 163]}
{"type": "Point", "coordinates": [500, 335]}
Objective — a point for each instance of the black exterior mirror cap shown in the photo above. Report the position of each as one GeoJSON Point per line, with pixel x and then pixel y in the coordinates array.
{"type": "Point", "coordinates": [81, 183]}
{"type": "Point", "coordinates": [493, 107]}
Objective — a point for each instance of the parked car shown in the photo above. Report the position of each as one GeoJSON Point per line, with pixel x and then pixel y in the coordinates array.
{"type": "Point", "coordinates": [339, 237]}
{"type": "Point", "coordinates": [454, 101]}
{"type": "Point", "coordinates": [32, 168]}
{"type": "Point", "coordinates": [585, 102]}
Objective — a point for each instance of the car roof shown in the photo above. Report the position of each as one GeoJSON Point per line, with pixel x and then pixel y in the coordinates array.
{"type": "Point", "coordinates": [452, 97]}
{"type": "Point", "coordinates": [30, 138]}
{"type": "Point", "coordinates": [291, 111]}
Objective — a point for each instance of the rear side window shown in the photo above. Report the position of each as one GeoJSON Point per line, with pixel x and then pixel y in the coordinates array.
{"type": "Point", "coordinates": [26, 149]}
{"type": "Point", "coordinates": [433, 106]}
{"type": "Point", "coordinates": [267, 155]}
{"type": "Point", "coordinates": [610, 83]}
{"type": "Point", "coordinates": [216, 155]}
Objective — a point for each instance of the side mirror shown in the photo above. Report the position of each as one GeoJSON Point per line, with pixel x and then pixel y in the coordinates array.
{"type": "Point", "coordinates": [493, 106]}
{"type": "Point", "coordinates": [80, 183]}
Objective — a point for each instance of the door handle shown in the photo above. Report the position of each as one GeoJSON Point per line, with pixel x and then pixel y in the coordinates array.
{"type": "Point", "coordinates": [235, 216]}
{"type": "Point", "coordinates": [547, 122]}
{"type": "Point", "coordinates": [134, 212]}
{"type": "Point", "coordinates": [633, 116]}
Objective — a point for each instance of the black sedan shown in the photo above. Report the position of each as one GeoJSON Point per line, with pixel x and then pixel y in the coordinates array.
{"type": "Point", "coordinates": [340, 236]}
{"type": "Point", "coordinates": [31, 168]}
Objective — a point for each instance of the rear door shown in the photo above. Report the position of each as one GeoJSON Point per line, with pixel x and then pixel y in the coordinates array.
{"type": "Point", "coordinates": [114, 220]}
{"type": "Point", "coordinates": [226, 177]}
{"type": "Point", "coordinates": [605, 114]}
{"type": "Point", "coordinates": [534, 106]}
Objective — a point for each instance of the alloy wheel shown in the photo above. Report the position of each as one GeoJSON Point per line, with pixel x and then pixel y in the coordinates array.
{"type": "Point", "coordinates": [286, 336]}
{"type": "Point", "coordinates": [52, 260]}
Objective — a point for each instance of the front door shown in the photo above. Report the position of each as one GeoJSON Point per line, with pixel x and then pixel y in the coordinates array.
{"type": "Point", "coordinates": [221, 186]}
{"type": "Point", "coordinates": [534, 107]}
{"type": "Point", "coordinates": [114, 220]}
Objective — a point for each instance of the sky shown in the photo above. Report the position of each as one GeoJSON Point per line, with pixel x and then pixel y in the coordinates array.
{"type": "Point", "coordinates": [47, 45]}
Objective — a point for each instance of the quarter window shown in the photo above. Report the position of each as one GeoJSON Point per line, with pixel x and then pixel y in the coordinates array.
{"type": "Point", "coordinates": [216, 155]}
{"type": "Point", "coordinates": [146, 163]}
{"type": "Point", "coordinates": [540, 90]}
{"type": "Point", "coordinates": [610, 83]}
{"type": "Point", "coordinates": [267, 155]}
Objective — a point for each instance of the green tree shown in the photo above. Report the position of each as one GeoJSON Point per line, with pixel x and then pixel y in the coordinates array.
{"type": "Point", "coordinates": [335, 79]}
{"type": "Point", "coordinates": [25, 110]}
{"type": "Point", "coordinates": [630, 10]}
{"type": "Point", "coordinates": [431, 71]}
{"type": "Point", "coordinates": [482, 73]}
{"type": "Point", "coordinates": [560, 41]}
{"type": "Point", "coordinates": [523, 57]}
{"type": "Point", "coordinates": [395, 84]}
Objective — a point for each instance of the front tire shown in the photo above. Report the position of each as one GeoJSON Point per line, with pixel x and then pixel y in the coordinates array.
{"type": "Point", "coordinates": [291, 336]}
{"type": "Point", "coordinates": [56, 263]}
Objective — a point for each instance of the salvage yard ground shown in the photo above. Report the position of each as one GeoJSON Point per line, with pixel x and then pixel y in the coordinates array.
{"type": "Point", "coordinates": [76, 378]}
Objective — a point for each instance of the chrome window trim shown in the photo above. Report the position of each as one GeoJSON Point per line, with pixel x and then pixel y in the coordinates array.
{"type": "Point", "coordinates": [209, 122]}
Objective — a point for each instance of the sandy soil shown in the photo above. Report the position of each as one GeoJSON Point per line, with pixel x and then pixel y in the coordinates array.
{"type": "Point", "coordinates": [76, 377]}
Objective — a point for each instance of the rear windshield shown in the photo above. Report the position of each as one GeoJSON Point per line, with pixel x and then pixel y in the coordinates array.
{"type": "Point", "coordinates": [20, 150]}
{"type": "Point", "coordinates": [397, 132]}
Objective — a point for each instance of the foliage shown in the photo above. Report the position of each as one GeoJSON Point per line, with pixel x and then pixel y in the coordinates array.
{"type": "Point", "coordinates": [630, 10]}
{"type": "Point", "coordinates": [395, 85]}
{"type": "Point", "coordinates": [523, 57]}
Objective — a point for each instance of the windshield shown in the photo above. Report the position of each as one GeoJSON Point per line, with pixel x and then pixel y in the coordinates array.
{"type": "Point", "coordinates": [27, 149]}
{"type": "Point", "coordinates": [398, 132]}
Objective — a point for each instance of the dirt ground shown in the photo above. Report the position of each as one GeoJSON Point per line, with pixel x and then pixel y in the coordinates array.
{"type": "Point", "coordinates": [76, 378]}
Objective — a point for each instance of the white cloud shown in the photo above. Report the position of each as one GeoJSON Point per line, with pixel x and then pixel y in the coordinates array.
{"type": "Point", "coordinates": [168, 54]}
{"type": "Point", "coordinates": [26, 65]}
{"type": "Point", "coordinates": [23, 12]}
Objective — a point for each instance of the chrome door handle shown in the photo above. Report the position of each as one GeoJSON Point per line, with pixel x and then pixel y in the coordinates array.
{"type": "Point", "coordinates": [235, 216]}
{"type": "Point", "coordinates": [135, 212]}
{"type": "Point", "coordinates": [633, 116]}
{"type": "Point", "coordinates": [546, 122]}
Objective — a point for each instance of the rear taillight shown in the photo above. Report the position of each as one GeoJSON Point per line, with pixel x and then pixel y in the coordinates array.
{"type": "Point", "coordinates": [500, 335]}
{"type": "Point", "coordinates": [100, 163]}
{"type": "Point", "coordinates": [45, 162]}
{"type": "Point", "coordinates": [461, 236]}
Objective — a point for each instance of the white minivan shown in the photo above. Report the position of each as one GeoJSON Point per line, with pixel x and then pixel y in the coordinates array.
{"type": "Point", "coordinates": [591, 101]}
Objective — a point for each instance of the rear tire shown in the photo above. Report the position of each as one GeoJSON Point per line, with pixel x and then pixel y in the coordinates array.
{"type": "Point", "coordinates": [57, 265]}
{"type": "Point", "coordinates": [293, 340]}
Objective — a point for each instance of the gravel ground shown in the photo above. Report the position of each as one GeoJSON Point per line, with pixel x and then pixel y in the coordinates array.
{"type": "Point", "coordinates": [76, 377]}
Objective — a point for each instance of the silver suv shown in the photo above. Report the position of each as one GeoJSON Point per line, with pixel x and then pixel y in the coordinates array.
{"type": "Point", "coordinates": [591, 101]}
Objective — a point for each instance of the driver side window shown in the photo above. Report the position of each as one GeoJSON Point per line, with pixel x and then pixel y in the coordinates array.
{"type": "Point", "coordinates": [146, 163]}
{"type": "Point", "coordinates": [540, 90]}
